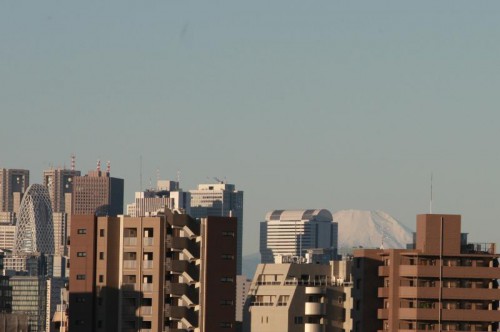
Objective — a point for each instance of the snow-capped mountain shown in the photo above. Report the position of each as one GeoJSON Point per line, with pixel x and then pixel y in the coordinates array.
{"type": "Point", "coordinates": [371, 229]}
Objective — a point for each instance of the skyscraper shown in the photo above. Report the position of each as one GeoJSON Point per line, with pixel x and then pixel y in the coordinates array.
{"type": "Point", "coordinates": [60, 185]}
{"type": "Point", "coordinates": [13, 184]}
{"type": "Point", "coordinates": [35, 230]}
{"type": "Point", "coordinates": [292, 232]}
{"type": "Point", "coordinates": [220, 199]}
{"type": "Point", "coordinates": [97, 193]}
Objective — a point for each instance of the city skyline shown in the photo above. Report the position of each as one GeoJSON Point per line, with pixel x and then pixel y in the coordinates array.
{"type": "Point", "coordinates": [325, 105]}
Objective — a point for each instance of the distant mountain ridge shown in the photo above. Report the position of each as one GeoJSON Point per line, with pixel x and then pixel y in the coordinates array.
{"type": "Point", "coordinates": [371, 229]}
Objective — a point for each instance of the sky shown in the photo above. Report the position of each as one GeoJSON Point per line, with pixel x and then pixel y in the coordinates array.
{"type": "Point", "coordinates": [301, 104]}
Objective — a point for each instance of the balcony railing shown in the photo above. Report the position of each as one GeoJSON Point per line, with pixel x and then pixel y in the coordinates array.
{"type": "Point", "coordinates": [148, 241]}
{"type": "Point", "coordinates": [129, 241]}
{"type": "Point", "coordinates": [147, 287]}
{"type": "Point", "coordinates": [147, 264]}
{"type": "Point", "coordinates": [129, 264]}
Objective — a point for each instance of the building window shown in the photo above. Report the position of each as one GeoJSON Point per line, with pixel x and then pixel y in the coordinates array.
{"type": "Point", "coordinates": [80, 277]}
{"type": "Point", "coordinates": [226, 279]}
{"type": "Point", "coordinates": [101, 278]}
{"type": "Point", "coordinates": [227, 302]}
{"type": "Point", "coordinates": [80, 300]}
{"type": "Point", "coordinates": [228, 234]}
{"type": "Point", "coordinates": [358, 283]}
{"type": "Point", "coordinates": [79, 322]}
{"type": "Point", "coordinates": [101, 232]}
{"type": "Point", "coordinates": [227, 257]}
{"type": "Point", "coordinates": [226, 325]}
{"type": "Point", "coordinates": [82, 231]}
{"type": "Point", "coordinates": [298, 320]}
{"type": "Point", "coordinates": [81, 254]}
{"type": "Point", "coordinates": [101, 255]}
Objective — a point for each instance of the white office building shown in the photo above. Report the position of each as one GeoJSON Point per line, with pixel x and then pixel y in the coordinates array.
{"type": "Point", "coordinates": [293, 232]}
{"type": "Point", "coordinates": [220, 199]}
{"type": "Point", "coordinates": [166, 194]}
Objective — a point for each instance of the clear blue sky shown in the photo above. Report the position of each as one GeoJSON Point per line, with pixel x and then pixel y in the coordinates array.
{"type": "Point", "coordinates": [301, 104]}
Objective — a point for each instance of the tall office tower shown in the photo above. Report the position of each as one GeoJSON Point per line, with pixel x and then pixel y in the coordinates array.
{"type": "Point", "coordinates": [60, 184]}
{"type": "Point", "coordinates": [292, 232]}
{"type": "Point", "coordinates": [29, 296]}
{"type": "Point", "coordinates": [220, 199]}
{"type": "Point", "coordinates": [60, 220]}
{"type": "Point", "coordinates": [13, 184]}
{"type": "Point", "coordinates": [97, 193]}
{"type": "Point", "coordinates": [161, 273]}
{"type": "Point", "coordinates": [7, 236]}
{"type": "Point", "coordinates": [35, 229]}
{"type": "Point", "coordinates": [296, 297]}
{"type": "Point", "coordinates": [166, 195]}
{"type": "Point", "coordinates": [444, 284]}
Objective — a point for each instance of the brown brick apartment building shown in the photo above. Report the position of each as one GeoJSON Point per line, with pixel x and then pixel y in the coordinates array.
{"type": "Point", "coordinates": [443, 284]}
{"type": "Point", "coordinates": [164, 273]}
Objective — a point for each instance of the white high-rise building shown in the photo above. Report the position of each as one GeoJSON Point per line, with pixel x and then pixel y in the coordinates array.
{"type": "Point", "coordinates": [167, 194]}
{"type": "Point", "coordinates": [292, 232]}
{"type": "Point", "coordinates": [220, 199]}
{"type": "Point", "coordinates": [35, 228]}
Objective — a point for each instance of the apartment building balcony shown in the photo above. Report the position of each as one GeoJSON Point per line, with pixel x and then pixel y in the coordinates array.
{"type": "Point", "coordinates": [178, 313]}
{"type": "Point", "coordinates": [146, 310]}
{"type": "Point", "coordinates": [461, 272]}
{"type": "Point", "coordinates": [182, 289]}
{"type": "Point", "coordinates": [383, 271]}
{"type": "Point", "coordinates": [318, 290]}
{"type": "Point", "coordinates": [147, 264]}
{"type": "Point", "coordinates": [313, 327]}
{"type": "Point", "coordinates": [130, 264]}
{"type": "Point", "coordinates": [382, 313]}
{"type": "Point", "coordinates": [183, 244]}
{"type": "Point", "coordinates": [132, 287]}
{"type": "Point", "coordinates": [315, 309]}
{"type": "Point", "coordinates": [459, 315]}
{"type": "Point", "coordinates": [383, 292]}
{"type": "Point", "coordinates": [183, 266]}
{"type": "Point", "coordinates": [148, 241]}
{"type": "Point", "coordinates": [129, 241]}
{"type": "Point", "coordinates": [147, 287]}
{"type": "Point", "coordinates": [449, 293]}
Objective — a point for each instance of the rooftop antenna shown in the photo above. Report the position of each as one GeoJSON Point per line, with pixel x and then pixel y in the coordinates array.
{"type": "Point", "coordinates": [108, 167]}
{"type": "Point", "coordinates": [157, 175]}
{"type": "Point", "coordinates": [178, 176]}
{"type": "Point", "coordinates": [140, 173]}
{"type": "Point", "coordinates": [218, 180]}
{"type": "Point", "coordinates": [98, 165]}
{"type": "Point", "coordinates": [73, 162]}
{"type": "Point", "coordinates": [430, 204]}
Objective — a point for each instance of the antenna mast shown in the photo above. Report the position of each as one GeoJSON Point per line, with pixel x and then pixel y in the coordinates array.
{"type": "Point", "coordinates": [140, 173]}
{"type": "Point", "coordinates": [73, 163]}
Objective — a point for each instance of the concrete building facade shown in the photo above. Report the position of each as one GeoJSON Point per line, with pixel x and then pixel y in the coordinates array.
{"type": "Point", "coordinates": [293, 232]}
{"type": "Point", "coordinates": [167, 272]}
{"type": "Point", "coordinates": [293, 297]}
{"type": "Point", "coordinates": [97, 193]}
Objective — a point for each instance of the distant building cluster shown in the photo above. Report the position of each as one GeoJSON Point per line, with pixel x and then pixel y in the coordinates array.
{"type": "Point", "coordinates": [73, 260]}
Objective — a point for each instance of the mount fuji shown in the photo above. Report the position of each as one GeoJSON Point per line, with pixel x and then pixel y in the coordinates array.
{"type": "Point", "coordinates": [371, 229]}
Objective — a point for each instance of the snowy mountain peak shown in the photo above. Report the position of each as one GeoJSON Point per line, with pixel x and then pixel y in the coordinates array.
{"type": "Point", "coordinates": [371, 229]}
